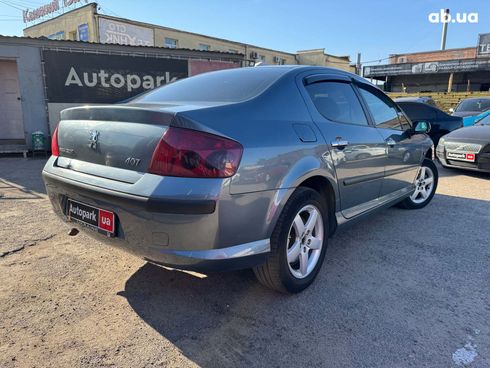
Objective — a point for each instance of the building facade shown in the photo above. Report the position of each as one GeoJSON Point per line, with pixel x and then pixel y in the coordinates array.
{"type": "Point", "coordinates": [41, 77]}
{"type": "Point", "coordinates": [86, 24]}
{"type": "Point", "coordinates": [457, 70]}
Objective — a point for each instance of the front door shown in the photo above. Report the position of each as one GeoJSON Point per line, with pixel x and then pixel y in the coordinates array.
{"type": "Point", "coordinates": [358, 150]}
{"type": "Point", "coordinates": [11, 124]}
{"type": "Point", "coordinates": [403, 152]}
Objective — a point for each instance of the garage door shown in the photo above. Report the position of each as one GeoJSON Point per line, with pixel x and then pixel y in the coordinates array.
{"type": "Point", "coordinates": [11, 124]}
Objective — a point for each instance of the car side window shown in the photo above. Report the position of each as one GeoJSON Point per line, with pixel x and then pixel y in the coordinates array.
{"type": "Point", "coordinates": [337, 101]}
{"type": "Point", "coordinates": [384, 112]}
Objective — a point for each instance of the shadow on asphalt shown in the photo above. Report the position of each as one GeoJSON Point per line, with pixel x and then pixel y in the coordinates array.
{"type": "Point", "coordinates": [24, 174]}
{"type": "Point", "coordinates": [391, 283]}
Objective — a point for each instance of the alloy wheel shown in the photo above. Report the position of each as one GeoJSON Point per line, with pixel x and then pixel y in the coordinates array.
{"type": "Point", "coordinates": [424, 185]}
{"type": "Point", "coordinates": [305, 241]}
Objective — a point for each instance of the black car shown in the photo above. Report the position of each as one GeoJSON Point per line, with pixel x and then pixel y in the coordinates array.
{"type": "Point", "coordinates": [472, 106]}
{"type": "Point", "coordinates": [467, 148]}
{"type": "Point", "coordinates": [441, 123]}
{"type": "Point", "coordinates": [424, 99]}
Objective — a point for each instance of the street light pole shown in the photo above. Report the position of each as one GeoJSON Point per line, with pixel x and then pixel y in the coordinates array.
{"type": "Point", "coordinates": [445, 22]}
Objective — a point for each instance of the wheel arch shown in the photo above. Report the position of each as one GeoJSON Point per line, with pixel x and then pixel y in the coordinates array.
{"type": "Point", "coordinates": [323, 186]}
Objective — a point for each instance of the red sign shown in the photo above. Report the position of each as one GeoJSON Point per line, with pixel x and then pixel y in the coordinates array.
{"type": "Point", "coordinates": [43, 10]}
{"type": "Point", "coordinates": [106, 220]}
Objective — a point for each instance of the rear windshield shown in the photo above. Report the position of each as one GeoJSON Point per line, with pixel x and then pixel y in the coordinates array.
{"type": "Point", "coordinates": [223, 86]}
{"type": "Point", "coordinates": [474, 105]}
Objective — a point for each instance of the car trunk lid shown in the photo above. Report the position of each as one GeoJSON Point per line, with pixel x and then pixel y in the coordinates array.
{"type": "Point", "coordinates": [116, 142]}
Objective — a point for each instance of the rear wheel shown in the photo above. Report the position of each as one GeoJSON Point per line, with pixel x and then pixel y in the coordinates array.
{"type": "Point", "coordinates": [298, 243]}
{"type": "Point", "coordinates": [425, 186]}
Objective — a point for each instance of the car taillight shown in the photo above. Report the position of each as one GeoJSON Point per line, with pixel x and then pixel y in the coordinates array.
{"type": "Point", "coordinates": [55, 150]}
{"type": "Point", "coordinates": [190, 153]}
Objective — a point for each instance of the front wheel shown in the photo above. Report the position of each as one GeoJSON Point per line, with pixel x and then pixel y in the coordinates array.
{"type": "Point", "coordinates": [298, 243]}
{"type": "Point", "coordinates": [425, 186]}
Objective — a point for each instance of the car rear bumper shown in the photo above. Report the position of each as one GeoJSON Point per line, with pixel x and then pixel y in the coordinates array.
{"type": "Point", "coordinates": [192, 234]}
{"type": "Point", "coordinates": [481, 164]}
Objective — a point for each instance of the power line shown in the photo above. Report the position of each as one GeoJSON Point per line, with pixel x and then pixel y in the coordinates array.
{"type": "Point", "coordinates": [8, 4]}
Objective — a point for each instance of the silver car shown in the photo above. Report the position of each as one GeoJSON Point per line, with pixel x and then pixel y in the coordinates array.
{"type": "Point", "coordinates": [242, 168]}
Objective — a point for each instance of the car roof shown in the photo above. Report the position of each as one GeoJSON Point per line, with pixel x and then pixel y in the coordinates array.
{"type": "Point", "coordinates": [413, 98]}
{"type": "Point", "coordinates": [317, 69]}
{"type": "Point", "coordinates": [475, 98]}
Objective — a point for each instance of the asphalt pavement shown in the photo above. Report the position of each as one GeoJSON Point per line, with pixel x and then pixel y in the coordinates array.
{"type": "Point", "coordinates": [401, 289]}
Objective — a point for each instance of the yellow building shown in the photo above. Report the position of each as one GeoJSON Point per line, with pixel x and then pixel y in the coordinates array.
{"type": "Point", "coordinates": [85, 24]}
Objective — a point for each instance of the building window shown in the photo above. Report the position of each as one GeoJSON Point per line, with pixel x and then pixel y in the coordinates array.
{"type": "Point", "coordinates": [171, 43]}
{"type": "Point", "coordinates": [204, 47]}
{"type": "Point", "coordinates": [261, 58]}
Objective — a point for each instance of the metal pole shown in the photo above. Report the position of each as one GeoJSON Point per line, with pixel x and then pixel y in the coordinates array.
{"type": "Point", "coordinates": [450, 82]}
{"type": "Point", "coordinates": [445, 22]}
{"type": "Point", "coordinates": [358, 64]}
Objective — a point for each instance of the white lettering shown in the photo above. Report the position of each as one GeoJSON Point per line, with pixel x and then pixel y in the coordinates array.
{"type": "Point", "coordinates": [148, 82]}
{"type": "Point", "coordinates": [93, 83]}
{"type": "Point", "coordinates": [473, 17]}
{"type": "Point", "coordinates": [103, 75]}
{"type": "Point", "coordinates": [134, 82]}
{"type": "Point", "coordinates": [73, 78]}
{"type": "Point", "coordinates": [117, 84]}
{"type": "Point", "coordinates": [160, 79]}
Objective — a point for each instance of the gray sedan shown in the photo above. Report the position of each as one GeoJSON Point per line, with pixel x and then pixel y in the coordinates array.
{"type": "Point", "coordinates": [243, 168]}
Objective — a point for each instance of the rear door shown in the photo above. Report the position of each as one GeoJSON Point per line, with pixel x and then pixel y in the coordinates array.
{"type": "Point", "coordinates": [403, 151]}
{"type": "Point", "coordinates": [358, 150]}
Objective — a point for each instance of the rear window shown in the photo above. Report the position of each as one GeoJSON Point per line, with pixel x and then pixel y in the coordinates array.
{"type": "Point", "coordinates": [418, 111]}
{"type": "Point", "coordinates": [223, 86]}
{"type": "Point", "coordinates": [474, 105]}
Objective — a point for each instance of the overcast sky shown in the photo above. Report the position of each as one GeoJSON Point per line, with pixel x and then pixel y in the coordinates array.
{"type": "Point", "coordinates": [375, 28]}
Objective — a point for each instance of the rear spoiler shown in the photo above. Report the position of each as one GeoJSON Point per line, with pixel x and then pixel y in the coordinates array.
{"type": "Point", "coordinates": [118, 113]}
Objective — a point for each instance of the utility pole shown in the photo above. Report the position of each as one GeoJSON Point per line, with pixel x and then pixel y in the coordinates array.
{"type": "Point", "coordinates": [358, 64]}
{"type": "Point", "coordinates": [445, 22]}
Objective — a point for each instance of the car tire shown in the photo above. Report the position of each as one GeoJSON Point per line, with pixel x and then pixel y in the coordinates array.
{"type": "Point", "coordinates": [424, 190]}
{"type": "Point", "coordinates": [281, 271]}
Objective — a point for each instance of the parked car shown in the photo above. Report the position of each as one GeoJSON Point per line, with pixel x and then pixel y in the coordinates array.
{"type": "Point", "coordinates": [467, 148]}
{"type": "Point", "coordinates": [238, 168]}
{"type": "Point", "coordinates": [422, 99]}
{"type": "Point", "coordinates": [471, 120]}
{"type": "Point", "coordinates": [441, 123]}
{"type": "Point", "coordinates": [471, 107]}
{"type": "Point", "coordinates": [484, 121]}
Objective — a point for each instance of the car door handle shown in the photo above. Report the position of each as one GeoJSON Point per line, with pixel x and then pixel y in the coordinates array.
{"type": "Point", "coordinates": [340, 143]}
{"type": "Point", "coordinates": [390, 142]}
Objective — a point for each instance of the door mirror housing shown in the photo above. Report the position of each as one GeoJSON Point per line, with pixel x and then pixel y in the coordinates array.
{"type": "Point", "coordinates": [422, 127]}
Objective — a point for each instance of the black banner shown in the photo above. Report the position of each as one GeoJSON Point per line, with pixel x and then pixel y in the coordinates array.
{"type": "Point", "coordinates": [73, 77]}
{"type": "Point", "coordinates": [430, 67]}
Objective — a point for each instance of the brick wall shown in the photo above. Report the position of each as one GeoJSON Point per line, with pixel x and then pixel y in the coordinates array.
{"type": "Point", "coordinates": [443, 99]}
{"type": "Point", "coordinates": [420, 57]}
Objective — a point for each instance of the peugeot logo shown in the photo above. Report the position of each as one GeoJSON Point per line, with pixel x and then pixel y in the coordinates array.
{"type": "Point", "coordinates": [93, 139]}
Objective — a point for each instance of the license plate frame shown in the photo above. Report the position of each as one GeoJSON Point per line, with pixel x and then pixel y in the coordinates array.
{"type": "Point", "coordinates": [92, 217]}
{"type": "Point", "coordinates": [461, 156]}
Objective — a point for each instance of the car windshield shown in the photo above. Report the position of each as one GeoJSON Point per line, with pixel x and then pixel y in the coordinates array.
{"type": "Point", "coordinates": [484, 121]}
{"type": "Point", "coordinates": [224, 86]}
{"type": "Point", "coordinates": [474, 105]}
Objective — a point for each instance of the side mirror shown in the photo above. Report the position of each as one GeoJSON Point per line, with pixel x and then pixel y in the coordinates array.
{"type": "Point", "coordinates": [422, 127]}
{"type": "Point", "coordinates": [451, 110]}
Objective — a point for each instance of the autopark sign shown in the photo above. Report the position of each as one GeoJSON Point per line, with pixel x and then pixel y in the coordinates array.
{"type": "Point", "coordinates": [73, 77]}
